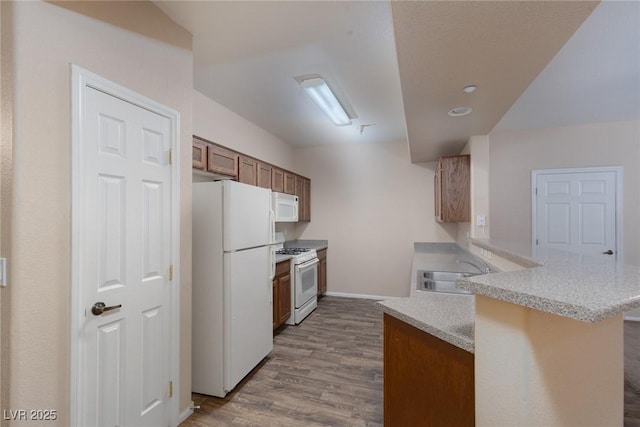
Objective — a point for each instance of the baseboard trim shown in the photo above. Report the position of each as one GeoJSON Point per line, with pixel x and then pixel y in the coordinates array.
{"type": "Point", "coordinates": [361, 296]}
{"type": "Point", "coordinates": [185, 414]}
{"type": "Point", "coordinates": [632, 318]}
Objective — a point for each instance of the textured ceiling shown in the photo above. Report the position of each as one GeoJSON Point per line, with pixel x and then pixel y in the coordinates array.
{"type": "Point", "coordinates": [594, 78]}
{"type": "Point", "coordinates": [500, 46]}
{"type": "Point", "coordinates": [248, 53]}
{"type": "Point", "coordinates": [400, 65]}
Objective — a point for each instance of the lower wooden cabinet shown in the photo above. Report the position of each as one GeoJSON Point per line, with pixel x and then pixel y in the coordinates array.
{"type": "Point", "coordinates": [281, 294]}
{"type": "Point", "coordinates": [427, 381]}
{"type": "Point", "coordinates": [322, 272]}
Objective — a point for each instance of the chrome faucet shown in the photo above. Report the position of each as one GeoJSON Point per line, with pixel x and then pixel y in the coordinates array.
{"type": "Point", "coordinates": [484, 268]}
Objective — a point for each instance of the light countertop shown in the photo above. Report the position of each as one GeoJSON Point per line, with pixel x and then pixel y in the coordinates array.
{"type": "Point", "coordinates": [449, 317]}
{"type": "Point", "coordinates": [579, 287]}
{"type": "Point", "coordinates": [584, 288]}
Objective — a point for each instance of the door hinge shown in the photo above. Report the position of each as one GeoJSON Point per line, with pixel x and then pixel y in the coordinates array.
{"type": "Point", "coordinates": [536, 191]}
{"type": "Point", "coordinates": [171, 272]}
{"type": "Point", "coordinates": [171, 156]}
{"type": "Point", "coordinates": [170, 389]}
{"type": "Point", "coordinates": [536, 242]}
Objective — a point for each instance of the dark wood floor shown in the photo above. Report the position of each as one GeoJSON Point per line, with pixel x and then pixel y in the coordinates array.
{"type": "Point", "coordinates": [327, 371]}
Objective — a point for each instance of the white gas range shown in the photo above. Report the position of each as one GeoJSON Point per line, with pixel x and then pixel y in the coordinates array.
{"type": "Point", "coordinates": [304, 280]}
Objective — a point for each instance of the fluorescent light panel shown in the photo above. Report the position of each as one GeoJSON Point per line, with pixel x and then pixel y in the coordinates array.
{"type": "Point", "coordinates": [322, 95]}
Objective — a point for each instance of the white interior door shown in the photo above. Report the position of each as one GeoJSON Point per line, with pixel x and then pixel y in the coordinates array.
{"type": "Point", "coordinates": [124, 256]}
{"type": "Point", "coordinates": [576, 211]}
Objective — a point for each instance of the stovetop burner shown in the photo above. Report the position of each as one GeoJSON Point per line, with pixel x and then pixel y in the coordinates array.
{"type": "Point", "coordinates": [292, 251]}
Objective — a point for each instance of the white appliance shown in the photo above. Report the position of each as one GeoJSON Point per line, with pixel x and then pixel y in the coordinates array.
{"type": "Point", "coordinates": [304, 280]}
{"type": "Point", "coordinates": [233, 267]}
{"type": "Point", "coordinates": [285, 207]}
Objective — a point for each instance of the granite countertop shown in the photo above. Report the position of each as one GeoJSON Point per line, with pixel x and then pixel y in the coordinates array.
{"type": "Point", "coordinates": [579, 287]}
{"type": "Point", "coordinates": [449, 317]}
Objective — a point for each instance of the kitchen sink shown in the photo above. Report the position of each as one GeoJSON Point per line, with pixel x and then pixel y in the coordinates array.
{"type": "Point", "coordinates": [442, 281]}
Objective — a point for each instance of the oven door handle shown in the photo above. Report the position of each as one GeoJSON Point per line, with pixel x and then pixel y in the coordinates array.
{"type": "Point", "coordinates": [309, 263]}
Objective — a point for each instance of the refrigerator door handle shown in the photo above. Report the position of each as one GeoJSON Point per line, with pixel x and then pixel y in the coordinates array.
{"type": "Point", "coordinates": [272, 260]}
{"type": "Point", "coordinates": [272, 224]}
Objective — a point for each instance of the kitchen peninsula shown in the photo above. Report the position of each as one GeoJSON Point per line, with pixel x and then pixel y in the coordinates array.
{"type": "Point", "coordinates": [547, 339]}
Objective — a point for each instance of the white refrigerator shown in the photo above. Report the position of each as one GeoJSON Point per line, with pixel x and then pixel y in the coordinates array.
{"type": "Point", "coordinates": [233, 266]}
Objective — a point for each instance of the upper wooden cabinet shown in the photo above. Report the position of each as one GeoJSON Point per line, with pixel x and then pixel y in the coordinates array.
{"type": "Point", "coordinates": [222, 161]}
{"type": "Point", "coordinates": [277, 180]}
{"type": "Point", "coordinates": [210, 157]}
{"type": "Point", "coordinates": [199, 155]}
{"type": "Point", "coordinates": [264, 175]}
{"type": "Point", "coordinates": [303, 191]}
{"type": "Point", "coordinates": [289, 183]}
{"type": "Point", "coordinates": [452, 185]}
{"type": "Point", "coordinates": [247, 170]}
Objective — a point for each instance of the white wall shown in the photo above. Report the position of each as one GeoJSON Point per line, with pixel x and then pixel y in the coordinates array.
{"type": "Point", "coordinates": [218, 124]}
{"type": "Point", "coordinates": [133, 44]}
{"type": "Point", "coordinates": [514, 154]}
{"type": "Point", "coordinates": [372, 204]}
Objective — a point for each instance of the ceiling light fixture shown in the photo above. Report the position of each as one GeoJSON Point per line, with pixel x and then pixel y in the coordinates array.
{"type": "Point", "coordinates": [470, 88]}
{"type": "Point", "coordinates": [326, 100]}
{"type": "Point", "coordinates": [460, 111]}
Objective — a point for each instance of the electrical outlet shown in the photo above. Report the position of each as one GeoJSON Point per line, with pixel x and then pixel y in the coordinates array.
{"type": "Point", "coordinates": [481, 220]}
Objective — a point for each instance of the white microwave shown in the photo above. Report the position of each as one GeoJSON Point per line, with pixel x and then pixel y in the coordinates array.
{"type": "Point", "coordinates": [285, 207]}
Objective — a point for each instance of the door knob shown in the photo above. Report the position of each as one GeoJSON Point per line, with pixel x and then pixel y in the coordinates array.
{"type": "Point", "coordinates": [609, 252]}
{"type": "Point", "coordinates": [100, 307]}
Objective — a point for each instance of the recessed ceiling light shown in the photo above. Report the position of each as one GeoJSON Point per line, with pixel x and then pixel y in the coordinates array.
{"type": "Point", "coordinates": [470, 88]}
{"type": "Point", "coordinates": [460, 111]}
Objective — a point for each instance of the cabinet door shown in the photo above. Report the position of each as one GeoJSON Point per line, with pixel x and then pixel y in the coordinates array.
{"type": "Point", "coordinates": [222, 161]}
{"type": "Point", "coordinates": [199, 155]}
{"type": "Point", "coordinates": [277, 180]}
{"type": "Point", "coordinates": [322, 272]}
{"type": "Point", "coordinates": [289, 183]}
{"type": "Point", "coordinates": [437, 191]}
{"type": "Point", "coordinates": [299, 191]}
{"type": "Point", "coordinates": [284, 298]}
{"type": "Point", "coordinates": [455, 194]}
{"type": "Point", "coordinates": [247, 170]}
{"type": "Point", "coordinates": [274, 304]}
{"type": "Point", "coordinates": [420, 368]}
{"type": "Point", "coordinates": [306, 200]}
{"type": "Point", "coordinates": [264, 175]}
